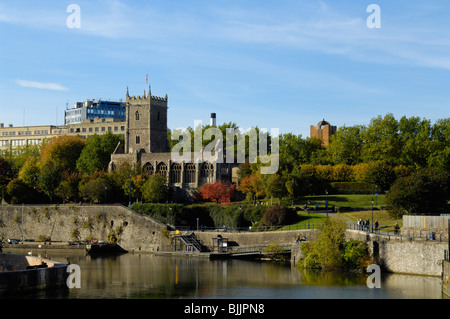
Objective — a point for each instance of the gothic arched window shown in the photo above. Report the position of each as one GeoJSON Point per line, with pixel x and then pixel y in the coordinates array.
{"type": "Point", "coordinates": [136, 115]}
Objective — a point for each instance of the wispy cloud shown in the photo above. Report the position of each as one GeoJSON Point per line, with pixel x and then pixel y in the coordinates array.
{"type": "Point", "coordinates": [41, 85]}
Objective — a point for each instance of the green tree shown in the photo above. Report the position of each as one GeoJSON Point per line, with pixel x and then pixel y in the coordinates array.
{"type": "Point", "coordinates": [68, 189]}
{"type": "Point", "coordinates": [274, 185]}
{"type": "Point", "coordinates": [346, 145]}
{"type": "Point", "coordinates": [154, 189]}
{"type": "Point", "coordinates": [49, 178]}
{"type": "Point", "coordinates": [381, 140]}
{"type": "Point", "coordinates": [380, 174]}
{"type": "Point", "coordinates": [96, 155]}
{"type": "Point", "coordinates": [417, 144]}
{"type": "Point", "coordinates": [94, 189]}
{"type": "Point", "coordinates": [18, 192]}
{"type": "Point", "coordinates": [425, 192]}
{"type": "Point", "coordinates": [6, 174]}
{"type": "Point", "coordinates": [440, 160]}
{"type": "Point", "coordinates": [29, 172]}
{"type": "Point", "coordinates": [331, 251]}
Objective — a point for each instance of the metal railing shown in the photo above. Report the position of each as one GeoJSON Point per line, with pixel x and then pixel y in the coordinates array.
{"type": "Point", "coordinates": [255, 249]}
{"type": "Point", "coordinates": [249, 229]}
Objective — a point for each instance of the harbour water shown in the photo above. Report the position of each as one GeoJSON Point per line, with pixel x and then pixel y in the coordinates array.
{"type": "Point", "coordinates": [147, 276]}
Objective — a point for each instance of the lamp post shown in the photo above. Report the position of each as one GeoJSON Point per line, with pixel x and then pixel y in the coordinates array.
{"type": "Point", "coordinates": [376, 195]}
{"type": "Point", "coordinates": [372, 214]}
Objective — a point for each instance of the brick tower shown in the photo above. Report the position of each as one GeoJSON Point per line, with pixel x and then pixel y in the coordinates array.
{"type": "Point", "coordinates": [323, 130]}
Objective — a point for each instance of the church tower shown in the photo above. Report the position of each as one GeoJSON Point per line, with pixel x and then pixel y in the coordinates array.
{"type": "Point", "coordinates": [146, 124]}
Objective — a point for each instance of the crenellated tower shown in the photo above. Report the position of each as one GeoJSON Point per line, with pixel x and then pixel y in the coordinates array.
{"type": "Point", "coordinates": [146, 118]}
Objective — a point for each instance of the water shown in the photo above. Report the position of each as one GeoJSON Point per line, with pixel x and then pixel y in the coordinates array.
{"type": "Point", "coordinates": [146, 276]}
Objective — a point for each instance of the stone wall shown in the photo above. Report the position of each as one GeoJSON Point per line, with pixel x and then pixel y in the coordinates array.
{"type": "Point", "coordinates": [400, 255]}
{"type": "Point", "coordinates": [14, 275]}
{"type": "Point", "coordinates": [260, 238]}
{"type": "Point", "coordinates": [66, 223]}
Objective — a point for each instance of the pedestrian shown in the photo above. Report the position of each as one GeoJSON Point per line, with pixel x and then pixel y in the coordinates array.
{"type": "Point", "coordinates": [376, 225]}
{"type": "Point", "coordinates": [367, 224]}
{"type": "Point", "coordinates": [359, 224]}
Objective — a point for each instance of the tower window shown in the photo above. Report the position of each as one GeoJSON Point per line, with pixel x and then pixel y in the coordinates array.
{"type": "Point", "coordinates": [137, 115]}
{"type": "Point", "coordinates": [138, 139]}
{"type": "Point", "coordinates": [158, 116]}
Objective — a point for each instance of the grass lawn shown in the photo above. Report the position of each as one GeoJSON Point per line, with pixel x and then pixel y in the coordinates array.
{"type": "Point", "coordinates": [303, 218]}
{"type": "Point", "coordinates": [385, 221]}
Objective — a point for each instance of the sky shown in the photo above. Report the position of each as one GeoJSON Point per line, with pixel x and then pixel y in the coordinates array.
{"type": "Point", "coordinates": [272, 64]}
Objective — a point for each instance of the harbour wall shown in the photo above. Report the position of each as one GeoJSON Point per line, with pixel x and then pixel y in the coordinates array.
{"type": "Point", "coordinates": [71, 223]}
{"type": "Point", "coordinates": [24, 273]}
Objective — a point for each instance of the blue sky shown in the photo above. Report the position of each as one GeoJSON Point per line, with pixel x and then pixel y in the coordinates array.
{"type": "Point", "coordinates": [272, 64]}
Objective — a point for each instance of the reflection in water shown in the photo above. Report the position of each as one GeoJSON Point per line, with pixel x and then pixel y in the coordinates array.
{"type": "Point", "coordinates": [150, 276]}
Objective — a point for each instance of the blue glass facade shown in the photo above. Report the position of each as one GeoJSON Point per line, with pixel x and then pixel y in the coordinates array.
{"type": "Point", "coordinates": [95, 109]}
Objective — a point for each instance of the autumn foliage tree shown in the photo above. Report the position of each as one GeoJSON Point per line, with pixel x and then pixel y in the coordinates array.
{"type": "Point", "coordinates": [64, 150]}
{"type": "Point", "coordinates": [219, 192]}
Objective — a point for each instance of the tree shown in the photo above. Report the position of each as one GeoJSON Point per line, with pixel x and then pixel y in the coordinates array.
{"type": "Point", "coordinates": [380, 174]}
{"type": "Point", "coordinates": [64, 150]}
{"type": "Point", "coordinates": [440, 160]}
{"type": "Point", "coordinates": [49, 178]}
{"type": "Point", "coordinates": [29, 172]}
{"type": "Point", "coordinates": [346, 145]}
{"type": "Point", "coordinates": [154, 189]}
{"type": "Point", "coordinates": [425, 192]}
{"type": "Point", "coordinates": [252, 186]}
{"type": "Point", "coordinates": [219, 192]}
{"type": "Point", "coordinates": [381, 140]}
{"type": "Point", "coordinates": [136, 188]}
{"type": "Point", "coordinates": [68, 188]}
{"type": "Point", "coordinates": [330, 250]}
{"type": "Point", "coordinates": [6, 174]}
{"type": "Point", "coordinates": [94, 189]}
{"type": "Point", "coordinates": [274, 185]}
{"type": "Point", "coordinates": [278, 215]}
{"type": "Point", "coordinates": [96, 155]}
{"type": "Point", "coordinates": [18, 192]}
{"type": "Point", "coordinates": [417, 143]}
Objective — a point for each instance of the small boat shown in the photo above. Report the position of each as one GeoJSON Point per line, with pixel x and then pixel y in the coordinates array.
{"type": "Point", "coordinates": [104, 248]}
